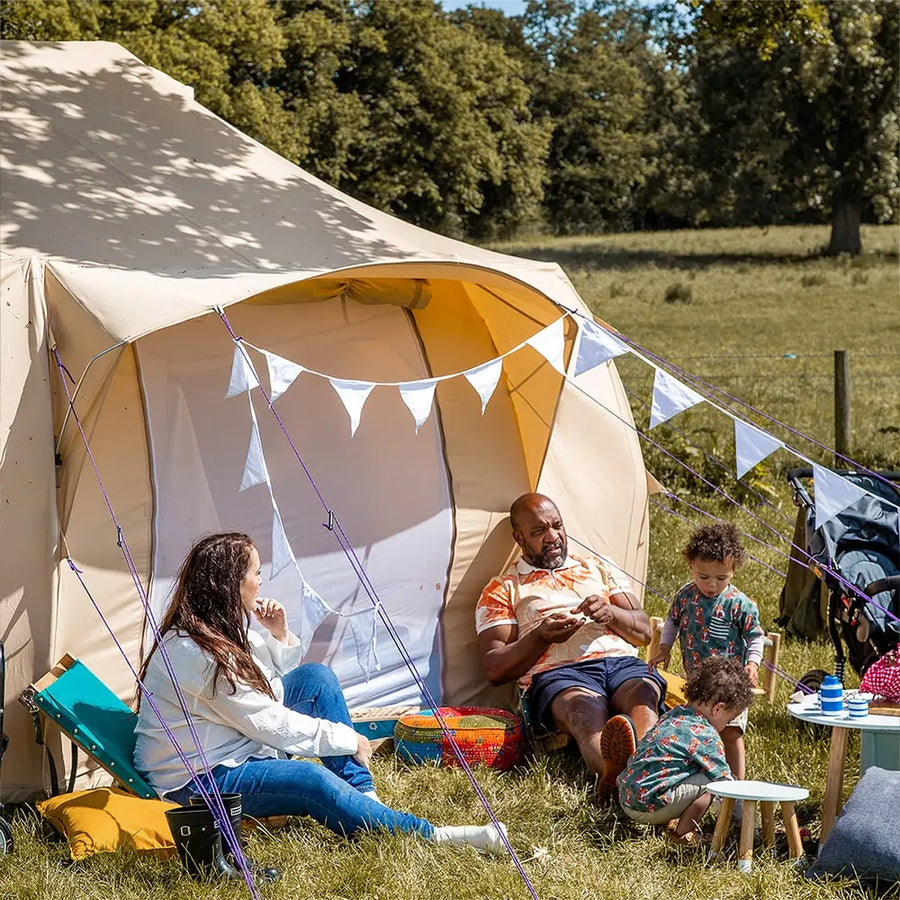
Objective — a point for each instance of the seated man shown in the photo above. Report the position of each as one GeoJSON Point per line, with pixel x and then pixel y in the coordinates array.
{"type": "Point", "coordinates": [568, 628]}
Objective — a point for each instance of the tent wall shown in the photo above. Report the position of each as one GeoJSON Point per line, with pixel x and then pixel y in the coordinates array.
{"type": "Point", "coordinates": [27, 511]}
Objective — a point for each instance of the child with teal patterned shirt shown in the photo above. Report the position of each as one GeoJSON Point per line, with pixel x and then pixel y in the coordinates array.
{"type": "Point", "coordinates": [711, 617]}
{"type": "Point", "coordinates": [668, 773]}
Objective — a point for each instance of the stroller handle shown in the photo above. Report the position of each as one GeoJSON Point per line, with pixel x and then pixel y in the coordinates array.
{"type": "Point", "coordinates": [891, 583]}
{"type": "Point", "coordinates": [801, 495]}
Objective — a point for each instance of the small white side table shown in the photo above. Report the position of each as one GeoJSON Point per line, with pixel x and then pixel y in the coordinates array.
{"type": "Point", "coordinates": [766, 794]}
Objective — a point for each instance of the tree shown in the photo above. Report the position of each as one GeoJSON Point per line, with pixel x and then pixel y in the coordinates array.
{"type": "Point", "coordinates": [816, 126]}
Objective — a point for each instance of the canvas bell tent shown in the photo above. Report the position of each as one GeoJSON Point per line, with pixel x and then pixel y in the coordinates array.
{"type": "Point", "coordinates": [131, 215]}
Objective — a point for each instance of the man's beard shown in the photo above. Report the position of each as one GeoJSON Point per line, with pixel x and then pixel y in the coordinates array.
{"type": "Point", "coordinates": [550, 557]}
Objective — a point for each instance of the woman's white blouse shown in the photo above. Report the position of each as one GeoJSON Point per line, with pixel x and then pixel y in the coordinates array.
{"type": "Point", "coordinates": [231, 727]}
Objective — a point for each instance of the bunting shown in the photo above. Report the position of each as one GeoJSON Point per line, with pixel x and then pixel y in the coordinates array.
{"type": "Point", "coordinates": [243, 377]}
{"type": "Point", "coordinates": [353, 395]}
{"type": "Point", "coordinates": [484, 379]}
{"type": "Point", "coordinates": [282, 374]}
{"type": "Point", "coordinates": [550, 342]}
{"type": "Point", "coordinates": [596, 346]}
{"type": "Point", "coordinates": [833, 494]}
{"type": "Point", "coordinates": [751, 446]}
{"type": "Point", "coordinates": [362, 626]}
{"type": "Point", "coordinates": [670, 397]}
{"type": "Point", "coordinates": [419, 398]}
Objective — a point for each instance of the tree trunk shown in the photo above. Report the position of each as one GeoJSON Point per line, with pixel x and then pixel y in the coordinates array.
{"type": "Point", "coordinates": [845, 219]}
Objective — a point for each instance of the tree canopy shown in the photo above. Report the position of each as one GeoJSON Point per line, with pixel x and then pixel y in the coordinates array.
{"type": "Point", "coordinates": [577, 116]}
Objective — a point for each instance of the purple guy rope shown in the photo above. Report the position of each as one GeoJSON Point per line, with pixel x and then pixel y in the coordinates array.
{"type": "Point", "coordinates": [336, 528]}
{"type": "Point", "coordinates": [217, 807]}
{"type": "Point", "coordinates": [697, 380]}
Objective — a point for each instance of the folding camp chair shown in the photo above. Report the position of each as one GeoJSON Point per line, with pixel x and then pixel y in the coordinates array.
{"type": "Point", "coordinates": [92, 717]}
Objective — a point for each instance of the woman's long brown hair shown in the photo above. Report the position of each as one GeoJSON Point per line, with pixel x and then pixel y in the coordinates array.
{"type": "Point", "coordinates": [207, 608]}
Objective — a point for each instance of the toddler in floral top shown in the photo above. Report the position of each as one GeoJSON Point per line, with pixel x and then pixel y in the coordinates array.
{"type": "Point", "coordinates": [667, 776]}
{"type": "Point", "coordinates": [711, 617]}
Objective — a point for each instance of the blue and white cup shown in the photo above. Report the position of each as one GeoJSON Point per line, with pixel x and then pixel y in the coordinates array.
{"type": "Point", "coordinates": [857, 705]}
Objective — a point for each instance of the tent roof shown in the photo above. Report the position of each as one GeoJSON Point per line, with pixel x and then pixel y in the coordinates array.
{"type": "Point", "coordinates": [128, 188]}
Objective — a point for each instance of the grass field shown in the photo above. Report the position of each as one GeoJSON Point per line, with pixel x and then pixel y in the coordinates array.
{"type": "Point", "coordinates": [754, 296]}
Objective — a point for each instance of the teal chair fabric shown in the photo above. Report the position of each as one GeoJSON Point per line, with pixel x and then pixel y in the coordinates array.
{"type": "Point", "coordinates": [95, 719]}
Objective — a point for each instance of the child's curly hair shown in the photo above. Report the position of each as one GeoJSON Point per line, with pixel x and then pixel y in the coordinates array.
{"type": "Point", "coordinates": [720, 679]}
{"type": "Point", "coordinates": [716, 542]}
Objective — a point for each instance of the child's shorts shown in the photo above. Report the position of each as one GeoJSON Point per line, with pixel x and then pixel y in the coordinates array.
{"type": "Point", "coordinates": [739, 722]}
{"type": "Point", "coordinates": [683, 796]}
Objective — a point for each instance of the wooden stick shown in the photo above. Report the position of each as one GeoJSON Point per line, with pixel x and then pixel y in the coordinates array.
{"type": "Point", "coordinates": [771, 654]}
{"type": "Point", "coordinates": [791, 829]}
{"type": "Point", "coordinates": [767, 814]}
{"type": "Point", "coordinates": [722, 823]}
{"type": "Point", "coordinates": [656, 625]}
{"type": "Point", "coordinates": [748, 823]}
{"type": "Point", "coordinates": [834, 783]}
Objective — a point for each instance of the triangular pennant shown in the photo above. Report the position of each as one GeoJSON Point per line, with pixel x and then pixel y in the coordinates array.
{"type": "Point", "coordinates": [282, 555]}
{"type": "Point", "coordinates": [596, 346]}
{"type": "Point", "coordinates": [419, 397]}
{"type": "Point", "coordinates": [484, 379]}
{"type": "Point", "coordinates": [255, 471]}
{"type": "Point", "coordinates": [670, 397]}
{"type": "Point", "coordinates": [353, 395]}
{"type": "Point", "coordinates": [313, 611]}
{"type": "Point", "coordinates": [834, 494]}
{"type": "Point", "coordinates": [550, 342]}
{"type": "Point", "coordinates": [243, 378]}
{"type": "Point", "coordinates": [751, 446]}
{"type": "Point", "coordinates": [282, 374]}
{"type": "Point", "coordinates": [362, 625]}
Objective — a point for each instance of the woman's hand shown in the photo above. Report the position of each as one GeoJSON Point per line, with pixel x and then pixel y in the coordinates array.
{"type": "Point", "coordinates": [363, 750]}
{"type": "Point", "coordinates": [271, 615]}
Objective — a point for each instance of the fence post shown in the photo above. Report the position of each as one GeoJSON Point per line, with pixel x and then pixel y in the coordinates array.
{"type": "Point", "coordinates": [841, 407]}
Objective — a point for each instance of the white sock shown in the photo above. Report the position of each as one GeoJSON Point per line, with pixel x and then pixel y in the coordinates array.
{"type": "Point", "coordinates": [372, 796]}
{"type": "Point", "coordinates": [482, 837]}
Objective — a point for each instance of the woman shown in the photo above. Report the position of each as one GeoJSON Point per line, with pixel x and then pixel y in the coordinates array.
{"type": "Point", "coordinates": [253, 706]}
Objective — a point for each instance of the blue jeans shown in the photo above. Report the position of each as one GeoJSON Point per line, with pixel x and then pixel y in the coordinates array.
{"type": "Point", "coordinates": [331, 793]}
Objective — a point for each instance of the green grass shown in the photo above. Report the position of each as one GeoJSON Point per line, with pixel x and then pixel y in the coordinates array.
{"type": "Point", "coordinates": [754, 295]}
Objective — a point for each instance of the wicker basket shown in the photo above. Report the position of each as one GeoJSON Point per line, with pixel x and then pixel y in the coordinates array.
{"type": "Point", "coordinates": [492, 737]}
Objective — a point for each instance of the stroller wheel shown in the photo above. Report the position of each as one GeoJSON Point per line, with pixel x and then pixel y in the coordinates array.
{"type": "Point", "coordinates": [6, 837]}
{"type": "Point", "coordinates": [812, 679]}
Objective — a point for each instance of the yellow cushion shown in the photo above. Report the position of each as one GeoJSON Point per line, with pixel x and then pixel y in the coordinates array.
{"type": "Point", "coordinates": [105, 819]}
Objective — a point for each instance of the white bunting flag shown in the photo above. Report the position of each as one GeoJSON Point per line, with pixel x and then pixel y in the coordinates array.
{"type": "Point", "coordinates": [353, 395]}
{"type": "Point", "coordinates": [255, 471]}
{"type": "Point", "coordinates": [833, 494]}
{"type": "Point", "coordinates": [419, 397]}
{"type": "Point", "coordinates": [362, 625]}
{"type": "Point", "coordinates": [243, 378]}
{"type": "Point", "coordinates": [670, 397]}
{"type": "Point", "coordinates": [484, 379]}
{"type": "Point", "coordinates": [282, 374]}
{"type": "Point", "coordinates": [751, 446]}
{"type": "Point", "coordinates": [313, 611]}
{"type": "Point", "coordinates": [282, 555]}
{"type": "Point", "coordinates": [596, 346]}
{"type": "Point", "coordinates": [550, 342]}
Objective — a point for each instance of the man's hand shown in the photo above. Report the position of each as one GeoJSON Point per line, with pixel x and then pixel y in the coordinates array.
{"type": "Point", "coordinates": [662, 658]}
{"type": "Point", "coordinates": [558, 627]}
{"type": "Point", "coordinates": [271, 615]}
{"type": "Point", "coordinates": [363, 750]}
{"type": "Point", "coordinates": [598, 609]}
{"type": "Point", "coordinates": [752, 670]}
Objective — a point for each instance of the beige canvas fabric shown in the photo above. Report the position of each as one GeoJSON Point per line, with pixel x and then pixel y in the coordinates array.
{"type": "Point", "coordinates": [130, 216]}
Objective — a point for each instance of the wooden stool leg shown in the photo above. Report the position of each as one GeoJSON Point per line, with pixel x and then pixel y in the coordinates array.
{"type": "Point", "coordinates": [792, 830]}
{"type": "Point", "coordinates": [767, 814]}
{"type": "Point", "coordinates": [745, 855]}
{"type": "Point", "coordinates": [722, 825]}
{"type": "Point", "coordinates": [834, 783]}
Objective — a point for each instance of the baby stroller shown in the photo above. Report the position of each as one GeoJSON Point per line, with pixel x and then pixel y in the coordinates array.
{"type": "Point", "coordinates": [862, 545]}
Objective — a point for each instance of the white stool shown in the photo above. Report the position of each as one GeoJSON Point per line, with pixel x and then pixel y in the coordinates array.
{"type": "Point", "coordinates": [767, 795]}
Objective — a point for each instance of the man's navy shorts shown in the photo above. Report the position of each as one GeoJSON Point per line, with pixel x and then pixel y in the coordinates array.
{"type": "Point", "coordinates": [602, 676]}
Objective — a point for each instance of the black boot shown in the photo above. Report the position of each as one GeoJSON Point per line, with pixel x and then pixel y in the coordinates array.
{"type": "Point", "coordinates": [198, 840]}
{"type": "Point", "coordinates": [232, 803]}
